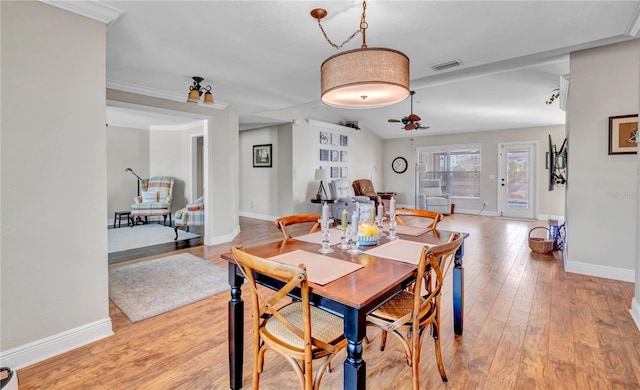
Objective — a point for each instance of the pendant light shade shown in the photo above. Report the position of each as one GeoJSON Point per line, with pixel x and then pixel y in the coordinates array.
{"type": "Point", "coordinates": [195, 91]}
{"type": "Point", "coordinates": [365, 78]}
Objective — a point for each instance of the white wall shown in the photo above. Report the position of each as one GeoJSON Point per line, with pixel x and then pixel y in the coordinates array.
{"type": "Point", "coordinates": [550, 203]}
{"type": "Point", "coordinates": [54, 282]}
{"type": "Point", "coordinates": [602, 196]}
{"type": "Point", "coordinates": [126, 148]}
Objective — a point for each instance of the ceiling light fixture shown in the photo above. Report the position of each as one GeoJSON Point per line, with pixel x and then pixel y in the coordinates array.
{"type": "Point", "coordinates": [195, 91]}
{"type": "Point", "coordinates": [365, 77]}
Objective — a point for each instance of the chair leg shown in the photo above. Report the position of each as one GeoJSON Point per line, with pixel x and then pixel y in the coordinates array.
{"type": "Point", "coordinates": [438, 350]}
{"type": "Point", "coordinates": [383, 339]}
{"type": "Point", "coordinates": [176, 230]}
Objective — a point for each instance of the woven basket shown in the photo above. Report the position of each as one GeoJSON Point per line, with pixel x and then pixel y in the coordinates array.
{"type": "Point", "coordinates": [540, 245]}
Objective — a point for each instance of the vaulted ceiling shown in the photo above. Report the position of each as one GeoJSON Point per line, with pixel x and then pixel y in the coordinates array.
{"type": "Point", "coordinates": [265, 56]}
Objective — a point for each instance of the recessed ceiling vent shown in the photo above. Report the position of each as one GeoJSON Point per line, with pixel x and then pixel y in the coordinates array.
{"type": "Point", "coordinates": [446, 65]}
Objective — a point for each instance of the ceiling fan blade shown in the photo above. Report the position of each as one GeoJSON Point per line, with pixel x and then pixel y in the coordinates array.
{"type": "Point", "coordinates": [394, 120]}
{"type": "Point", "coordinates": [414, 118]}
{"type": "Point", "coordinates": [410, 126]}
{"type": "Point", "coordinates": [422, 127]}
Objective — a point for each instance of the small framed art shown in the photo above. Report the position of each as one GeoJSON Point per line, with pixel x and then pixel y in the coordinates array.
{"type": "Point", "coordinates": [623, 134]}
{"type": "Point", "coordinates": [262, 157]}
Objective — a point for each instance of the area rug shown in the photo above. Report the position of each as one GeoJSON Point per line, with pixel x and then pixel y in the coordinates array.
{"type": "Point", "coordinates": [153, 287]}
{"type": "Point", "coordinates": [125, 238]}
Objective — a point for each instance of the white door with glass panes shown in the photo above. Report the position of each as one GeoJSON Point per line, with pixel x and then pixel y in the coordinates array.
{"type": "Point", "coordinates": [517, 179]}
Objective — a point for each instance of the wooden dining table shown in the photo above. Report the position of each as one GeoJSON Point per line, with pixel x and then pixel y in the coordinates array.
{"type": "Point", "coordinates": [351, 297]}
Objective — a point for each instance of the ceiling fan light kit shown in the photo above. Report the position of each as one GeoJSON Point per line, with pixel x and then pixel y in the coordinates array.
{"type": "Point", "coordinates": [365, 77]}
{"type": "Point", "coordinates": [412, 121]}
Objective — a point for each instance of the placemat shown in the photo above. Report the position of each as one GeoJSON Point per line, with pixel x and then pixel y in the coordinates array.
{"type": "Point", "coordinates": [316, 237]}
{"type": "Point", "coordinates": [401, 250]}
{"type": "Point", "coordinates": [320, 269]}
{"type": "Point", "coordinates": [407, 230]}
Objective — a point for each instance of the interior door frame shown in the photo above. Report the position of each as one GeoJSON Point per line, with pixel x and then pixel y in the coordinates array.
{"type": "Point", "coordinates": [533, 178]}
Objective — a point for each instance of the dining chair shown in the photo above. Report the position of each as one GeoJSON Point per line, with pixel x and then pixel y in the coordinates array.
{"type": "Point", "coordinates": [428, 214]}
{"type": "Point", "coordinates": [409, 314]}
{"type": "Point", "coordinates": [297, 331]}
{"type": "Point", "coordinates": [282, 222]}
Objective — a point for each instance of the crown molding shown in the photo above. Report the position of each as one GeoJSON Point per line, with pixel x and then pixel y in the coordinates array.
{"type": "Point", "coordinates": [158, 93]}
{"type": "Point", "coordinates": [186, 126]}
{"type": "Point", "coordinates": [633, 30]}
{"type": "Point", "coordinates": [91, 9]}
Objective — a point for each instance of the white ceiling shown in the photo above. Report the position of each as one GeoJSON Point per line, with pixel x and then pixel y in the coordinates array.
{"type": "Point", "coordinates": [263, 56]}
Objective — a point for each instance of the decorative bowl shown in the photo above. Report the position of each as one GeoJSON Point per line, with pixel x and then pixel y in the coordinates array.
{"type": "Point", "coordinates": [368, 240]}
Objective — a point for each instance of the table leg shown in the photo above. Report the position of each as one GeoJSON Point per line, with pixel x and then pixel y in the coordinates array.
{"type": "Point", "coordinates": [236, 328]}
{"type": "Point", "coordinates": [458, 291]}
{"type": "Point", "coordinates": [355, 368]}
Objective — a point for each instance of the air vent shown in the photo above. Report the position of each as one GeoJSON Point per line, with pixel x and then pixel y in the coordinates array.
{"type": "Point", "coordinates": [446, 65]}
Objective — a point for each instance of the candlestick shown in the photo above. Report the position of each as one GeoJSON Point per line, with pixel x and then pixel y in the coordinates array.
{"type": "Point", "coordinates": [325, 211]}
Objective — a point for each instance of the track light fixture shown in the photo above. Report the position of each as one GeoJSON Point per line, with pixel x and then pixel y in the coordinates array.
{"type": "Point", "coordinates": [195, 91]}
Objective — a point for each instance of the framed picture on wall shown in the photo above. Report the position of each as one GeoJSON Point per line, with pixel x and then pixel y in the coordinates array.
{"type": "Point", "coordinates": [262, 157]}
{"type": "Point", "coordinates": [335, 172]}
{"type": "Point", "coordinates": [623, 134]}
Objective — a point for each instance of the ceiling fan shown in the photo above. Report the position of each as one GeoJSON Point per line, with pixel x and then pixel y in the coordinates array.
{"type": "Point", "coordinates": [411, 122]}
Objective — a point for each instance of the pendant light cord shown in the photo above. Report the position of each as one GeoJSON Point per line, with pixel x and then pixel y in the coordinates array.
{"type": "Point", "coordinates": [362, 29]}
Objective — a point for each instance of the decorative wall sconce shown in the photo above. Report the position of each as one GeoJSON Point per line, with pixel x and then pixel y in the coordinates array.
{"type": "Point", "coordinates": [195, 91]}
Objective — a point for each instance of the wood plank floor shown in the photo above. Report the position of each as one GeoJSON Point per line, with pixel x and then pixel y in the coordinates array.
{"type": "Point", "coordinates": [528, 325]}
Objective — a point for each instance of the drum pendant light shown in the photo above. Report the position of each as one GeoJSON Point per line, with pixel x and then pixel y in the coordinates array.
{"type": "Point", "coordinates": [365, 77]}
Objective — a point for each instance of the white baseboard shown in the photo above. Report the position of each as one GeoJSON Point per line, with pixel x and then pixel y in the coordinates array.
{"type": "Point", "coordinates": [601, 271]}
{"type": "Point", "coordinates": [215, 240]}
{"type": "Point", "coordinates": [257, 216]}
{"type": "Point", "coordinates": [47, 347]}
{"type": "Point", "coordinates": [635, 311]}
{"type": "Point", "coordinates": [545, 217]}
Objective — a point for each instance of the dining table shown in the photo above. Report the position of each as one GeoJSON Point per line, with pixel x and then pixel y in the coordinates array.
{"type": "Point", "coordinates": [352, 296]}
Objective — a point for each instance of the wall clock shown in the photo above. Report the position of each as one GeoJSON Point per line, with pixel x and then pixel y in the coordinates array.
{"type": "Point", "coordinates": [399, 165]}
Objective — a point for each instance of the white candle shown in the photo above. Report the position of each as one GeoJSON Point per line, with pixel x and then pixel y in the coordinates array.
{"type": "Point", "coordinates": [344, 218]}
{"type": "Point", "coordinates": [325, 212]}
{"type": "Point", "coordinates": [392, 205]}
{"type": "Point", "coordinates": [354, 222]}
{"type": "Point", "coordinates": [380, 212]}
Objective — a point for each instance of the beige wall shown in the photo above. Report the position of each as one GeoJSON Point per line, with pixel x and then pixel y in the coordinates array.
{"type": "Point", "coordinates": [54, 283]}
{"type": "Point", "coordinates": [602, 196]}
{"type": "Point", "coordinates": [550, 203]}
{"type": "Point", "coordinates": [126, 148]}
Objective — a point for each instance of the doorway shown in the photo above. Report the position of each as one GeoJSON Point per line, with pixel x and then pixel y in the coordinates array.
{"type": "Point", "coordinates": [517, 184]}
{"type": "Point", "coordinates": [197, 167]}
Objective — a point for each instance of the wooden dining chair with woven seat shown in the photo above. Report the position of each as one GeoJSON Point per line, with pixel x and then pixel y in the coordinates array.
{"type": "Point", "coordinates": [428, 214]}
{"type": "Point", "coordinates": [409, 314]}
{"type": "Point", "coordinates": [282, 222]}
{"type": "Point", "coordinates": [299, 332]}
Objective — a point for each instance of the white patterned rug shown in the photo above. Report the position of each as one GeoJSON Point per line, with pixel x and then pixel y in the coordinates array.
{"type": "Point", "coordinates": [125, 238]}
{"type": "Point", "coordinates": [153, 287]}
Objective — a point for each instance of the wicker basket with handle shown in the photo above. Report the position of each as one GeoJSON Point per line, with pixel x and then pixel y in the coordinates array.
{"type": "Point", "coordinates": [540, 245]}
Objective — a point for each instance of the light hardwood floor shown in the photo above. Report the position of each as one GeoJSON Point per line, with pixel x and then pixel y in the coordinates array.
{"type": "Point", "coordinates": [528, 325]}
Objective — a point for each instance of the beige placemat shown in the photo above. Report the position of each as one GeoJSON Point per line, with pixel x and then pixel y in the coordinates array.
{"type": "Point", "coordinates": [316, 237]}
{"type": "Point", "coordinates": [401, 250]}
{"type": "Point", "coordinates": [320, 269]}
{"type": "Point", "coordinates": [407, 230]}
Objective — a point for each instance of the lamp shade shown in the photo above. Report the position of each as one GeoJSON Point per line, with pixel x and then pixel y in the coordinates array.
{"type": "Point", "coordinates": [194, 96]}
{"type": "Point", "coordinates": [321, 174]}
{"type": "Point", "coordinates": [208, 97]}
{"type": "Point", "coordinates": [365, 78]}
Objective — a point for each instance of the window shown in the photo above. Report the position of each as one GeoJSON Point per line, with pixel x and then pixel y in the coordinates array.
{"type": "Point", "coordinates": [457, 167]}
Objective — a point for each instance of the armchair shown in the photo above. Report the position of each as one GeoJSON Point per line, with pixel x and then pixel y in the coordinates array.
{"type": "Point", "coordinates": [344, 199]}
{"type": "Point", "coordinates": [364, 187]}
{"type": "Point", "coordinates": [155, 198]}
{"type": "Point", "coordinates": [190, 215]}
{"type": "Point", "coordinates": [432, 198]}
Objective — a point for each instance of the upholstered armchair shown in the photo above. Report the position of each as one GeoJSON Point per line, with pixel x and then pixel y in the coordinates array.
{"type": "Point", "coordinates": [155, 198]}
{"type": "Point", "coordinates": [344, 198]}
{"type": "Point", "coordinates": [432, 198]}
{"type": "Point", "coordinates": [364, 187]}
{"type": "Point", "coordinates": [191, 215]}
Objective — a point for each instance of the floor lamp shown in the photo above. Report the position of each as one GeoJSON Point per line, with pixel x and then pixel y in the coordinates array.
{"type": "Point", "coordinates": [322, 175]}
{"type": "Point", "coordinates": [139, 178]}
